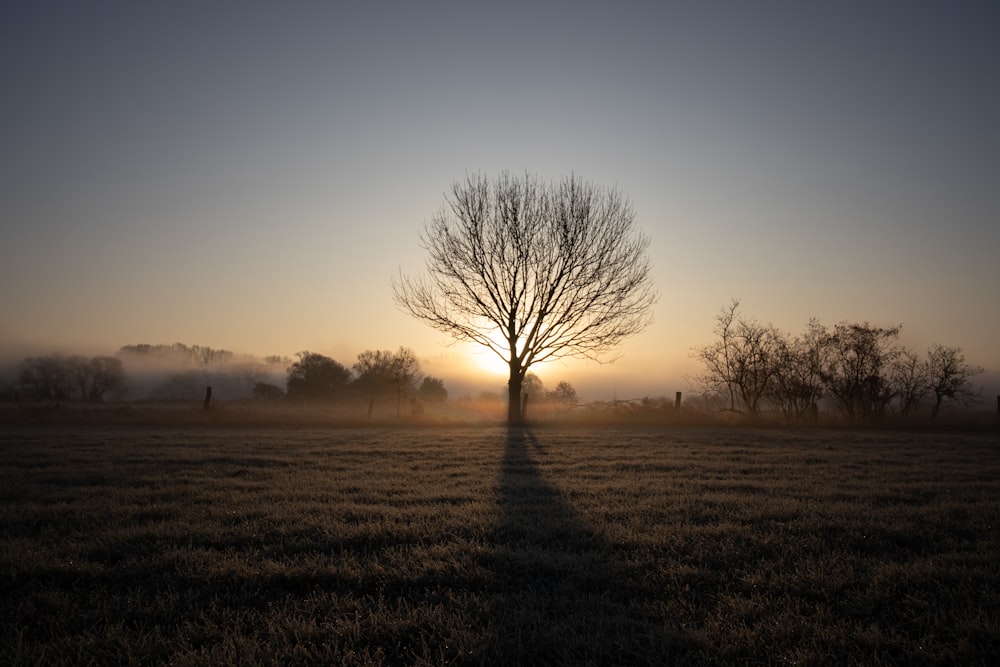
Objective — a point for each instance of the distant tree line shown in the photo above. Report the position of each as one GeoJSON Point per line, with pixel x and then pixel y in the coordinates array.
{"type": "Point", "coordinates": [380, 375]}
{"type": "Point", "coordinates": [860, 369]}
{"type": "Point", "coordinates": [181, 371]}
{"type": "Point", "coordinates": [200, 355]}
{"type": "Point", "coordinates": [63, 378]}
{"type": "Point", "coordinates": [857, 370]}
{"type": "Point", "coordinates": [168, 372]}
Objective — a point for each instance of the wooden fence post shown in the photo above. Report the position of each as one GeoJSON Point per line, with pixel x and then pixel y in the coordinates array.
{"type": "Point", "coordinates": [677, 401]}
{"type": "Point", "coordinates": [208, 398]}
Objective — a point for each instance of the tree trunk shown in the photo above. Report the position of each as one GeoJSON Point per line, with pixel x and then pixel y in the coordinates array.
{"type": "Point", "coordinates": [514, 415]}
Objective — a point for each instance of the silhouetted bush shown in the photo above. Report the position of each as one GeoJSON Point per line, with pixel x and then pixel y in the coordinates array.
{"type": "Point", "coordinates": [262, 391]}
{"type": "Point", "coordinates": [432, 390]}
{"type": "Point", "coordinates": [317, 377]}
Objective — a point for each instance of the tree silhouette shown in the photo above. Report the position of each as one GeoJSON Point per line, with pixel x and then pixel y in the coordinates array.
{"type": "Point", "coordinates": [45, 378]}
{"type": "Point", "coordinates": [532, 387]}
{"type": "Point", "coordinates": [797, 386]}
{"type": "Point", "coordinates": [563, 394]}
{"type": "Point", "coordinates": [315, 376]}
{"type": "Point", "coordinates": [949, 377]}
{"type": "Point", "coordinates": [97, 376]}
{"type": "Point", "coordinates": [909, 378]}
{"type": "Point", "coordinates": [744, 362]}
{"type": "Point", "coordinates": [532, 271]}
{"type": "Point", "coordinates": [855, 364]}
{"type": "Point", "coordinates": [55, 377]}
{"type": "Point", "coordinates": [382, 373]}
{"type": "Point", "coordinates": [263, 391]}
{"type": "Point", "coordinates": [432, 390]}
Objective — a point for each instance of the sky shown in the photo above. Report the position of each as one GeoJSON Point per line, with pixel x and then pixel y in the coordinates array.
{"type": "Point", "coordinates": [251, 175]}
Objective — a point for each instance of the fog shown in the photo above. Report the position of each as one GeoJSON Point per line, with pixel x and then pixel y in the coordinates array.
{"type": "Point", "coordinates": [181, 373]}
{"type": "Point", "coordinates": [165, 372]}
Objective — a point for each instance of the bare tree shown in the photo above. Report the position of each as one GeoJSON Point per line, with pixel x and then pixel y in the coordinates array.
{"type": "Point", "coordinates": [56, 377]}
{"type": "Point", "coordinates": [855, 366]}
{"type": "Point", "coordinates": [532, 387]}
{"type": "Point", "coordinates": [383, 372]}
{"type": "Point", "coordinates": [949, 377]}
{"type": "Point", "coordinates": [563, 394]}
{"type": "Point", "coordinates": [743, 362]}
{"type": "Point", "coordinates": [758, 354]}
{"type": "Point", "coordinates": [532, 271]}
{"type": "Point", "coordinates": [909, 378]}
{"type": "Point", "coordinates": [45, 378]}
{"type": "Point", "coordinates": [797, 386]}
{"type": "Point", "coordinates": [97, 376]}
{"type": "Point", "coordinates": [719, 376]}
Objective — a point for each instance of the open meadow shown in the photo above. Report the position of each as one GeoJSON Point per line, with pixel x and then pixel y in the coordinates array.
{"type": "Point", "coordinates": [482, 545]}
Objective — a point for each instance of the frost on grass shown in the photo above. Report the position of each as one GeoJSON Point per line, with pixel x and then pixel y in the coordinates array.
{"type": "Point", "coordinates": [488, 546]}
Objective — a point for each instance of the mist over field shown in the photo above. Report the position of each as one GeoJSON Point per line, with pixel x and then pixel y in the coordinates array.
{"type": "Point", "coordinates": [170, 373]}
{"type": "Point", "coordinates": [180, 374]}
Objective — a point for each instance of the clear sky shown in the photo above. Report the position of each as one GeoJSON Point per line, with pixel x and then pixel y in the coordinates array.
{"type": "Point", "coordinates": [250, 176]}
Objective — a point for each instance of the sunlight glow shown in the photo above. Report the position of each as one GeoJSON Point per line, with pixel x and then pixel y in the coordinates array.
{"type": "Point", "coordinates": [487, 361]}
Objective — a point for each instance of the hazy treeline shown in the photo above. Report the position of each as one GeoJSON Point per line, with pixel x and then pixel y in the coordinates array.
{"type": "Point", "coordinates": [158, 372]}
{"type": "Point", "coordinates": [182, 372]}
{"type": "Point", "coordinates": [380, 375]}
{"type": "Point", "coordinates": [389, 381]}
{"type": "Point", "coordinates": [386, 378]}
{"type": "Point", "coordinates": [856, 370]}
{"type": "Point", "coordinates": [533, 389]}
{"type": "Point", "coordinates": [57, 377]}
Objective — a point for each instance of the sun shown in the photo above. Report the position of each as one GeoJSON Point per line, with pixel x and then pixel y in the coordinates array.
{"type": "Point", "coordinates": [486, 361]}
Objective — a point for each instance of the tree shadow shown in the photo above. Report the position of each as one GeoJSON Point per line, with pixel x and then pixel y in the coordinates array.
{"type": "Point", "coordinates": [563, 595]}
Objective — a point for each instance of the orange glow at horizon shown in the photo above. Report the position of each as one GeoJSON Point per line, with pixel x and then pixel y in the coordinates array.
{"type": "Point", "coordinates": [486, 361]}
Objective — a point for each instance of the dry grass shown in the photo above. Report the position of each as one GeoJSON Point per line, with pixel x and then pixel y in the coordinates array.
{"type": "Point", "coordinates": [197, 546]}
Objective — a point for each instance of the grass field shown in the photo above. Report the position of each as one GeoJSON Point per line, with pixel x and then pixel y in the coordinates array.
{"type": "Point", "coordinates": [479, 545]}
